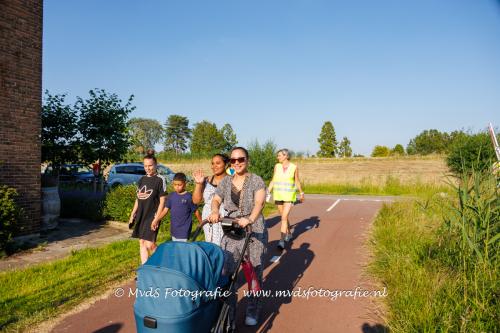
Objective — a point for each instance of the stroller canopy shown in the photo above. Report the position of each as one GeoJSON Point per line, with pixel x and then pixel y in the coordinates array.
{"type": "Point", "coordinates": [201, 261]}
{"type": "Point", "coordinates": [195, 267]}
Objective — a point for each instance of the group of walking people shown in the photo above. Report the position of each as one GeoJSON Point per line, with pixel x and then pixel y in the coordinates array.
{"type": "Point", "coordinates": [239, 195]}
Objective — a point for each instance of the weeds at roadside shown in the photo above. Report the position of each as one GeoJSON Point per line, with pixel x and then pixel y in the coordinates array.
{"type": "Point", "coordinates": [438, 257]}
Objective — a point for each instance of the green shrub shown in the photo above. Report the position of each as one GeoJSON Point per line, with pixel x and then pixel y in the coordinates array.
{"type": "Point", "coordinates": [262, 159]}
{"type": "Point", "coordinates": [381, 151]}
{"type": "Point", "coordinates": [398, 150]}
{"type": "Point", "coordinates": [120, 202]}
{"type": "Point", "coordinates": [471, 152]}
{"type": "Point", "coordinates": [10, 214]}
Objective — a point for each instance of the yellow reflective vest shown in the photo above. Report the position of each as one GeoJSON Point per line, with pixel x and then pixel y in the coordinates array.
{"type": "Point", "coordinates": [284, 183]}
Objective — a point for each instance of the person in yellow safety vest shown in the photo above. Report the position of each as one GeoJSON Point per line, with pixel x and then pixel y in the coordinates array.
{"type": "Point", "coordinates": [284, 186]}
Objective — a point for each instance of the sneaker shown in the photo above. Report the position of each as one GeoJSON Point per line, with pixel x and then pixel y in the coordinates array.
{"type": "Point", "coordinates": [281, 244]}
{"type": "Point", "coordinates": [288, 237]}
{"type": "Point", "coordinates": [250, 321]}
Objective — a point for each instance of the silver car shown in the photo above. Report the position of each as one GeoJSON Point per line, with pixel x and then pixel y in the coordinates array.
{"type": "Point", "coordinates": [130, 173]}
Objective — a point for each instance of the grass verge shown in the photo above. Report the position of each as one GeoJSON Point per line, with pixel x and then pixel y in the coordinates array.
{"type": "Point", "coordinates": [30, 296]}
{"type": "Point", "coordinates": [439, 260]}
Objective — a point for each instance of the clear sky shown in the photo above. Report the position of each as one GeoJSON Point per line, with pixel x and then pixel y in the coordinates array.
{"type": "Point", "coordinates": [381, 71]}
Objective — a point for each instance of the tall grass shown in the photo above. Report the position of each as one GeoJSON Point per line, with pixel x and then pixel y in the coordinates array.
{"type": "Point", "coordinates": [439, 260]}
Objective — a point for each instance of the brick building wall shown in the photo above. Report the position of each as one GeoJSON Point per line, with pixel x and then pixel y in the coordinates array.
{"type": "Point", "coordinates": [20, 104]}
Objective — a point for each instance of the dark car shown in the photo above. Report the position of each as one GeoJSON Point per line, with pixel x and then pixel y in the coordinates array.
{"type": "Point", "coordinates": [73, 173]}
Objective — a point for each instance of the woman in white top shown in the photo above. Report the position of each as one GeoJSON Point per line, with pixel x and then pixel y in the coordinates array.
{"type": "Point", "coordinates": [204, 191]}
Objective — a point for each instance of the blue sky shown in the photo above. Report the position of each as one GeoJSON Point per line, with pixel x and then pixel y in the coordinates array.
{"type": "Point", "coordinates": [381, 71]}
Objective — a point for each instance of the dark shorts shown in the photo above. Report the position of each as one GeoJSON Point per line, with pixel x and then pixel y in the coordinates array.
{"type": "Point", "coordinates": [281, 202]}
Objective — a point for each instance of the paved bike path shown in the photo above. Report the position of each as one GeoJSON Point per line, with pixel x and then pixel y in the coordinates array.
{"type": "Point", "coordinates": [323, 264]}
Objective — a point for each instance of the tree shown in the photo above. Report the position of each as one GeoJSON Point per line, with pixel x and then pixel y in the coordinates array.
{"type": "Point", "coordinates": [428, 142]}
{"type": "Point", "coordinates": [103, 126]}
{"type": "Point", "coordinates": [471, 152]}
{"type": "Point", "coordinates": [229, 136]}
{"type": "Point", "coordinates": [345, 149]}
{"type": "Point", "coordinates": [262, 159]}
{"type": "Point", "coordinates": [206, 138]}
{"type": "Point", "coordinates": [327, 141]}
{"type": "Point", "coordinates": [59, 131]}
{"type": "Point", "coordinates": [177, 133]}
{"type": "Point", "coordinates": [398, 150]}
{"type": "Point", "coordinates": [145, 133]}
{"type": "Point", "coordinates": [381, 151]}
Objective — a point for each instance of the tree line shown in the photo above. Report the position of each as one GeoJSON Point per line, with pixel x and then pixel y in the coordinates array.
{"type": "Point", "coordinates": [431, 141]}
{"type": "Point", "coordinates": [203, 138]}
{"type": "Point", "coordinates": [98, 128]}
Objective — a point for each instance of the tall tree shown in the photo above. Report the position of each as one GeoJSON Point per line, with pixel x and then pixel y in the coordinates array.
{"type": "Point", "coordinates": [59, 130]}
{"type": "Point", "coordinates": [145, 133]}
{"type": "Point", "coordinates": [345, 149]}
{"type": "Point", "coordinates": [177, 133]}
{"type": "Point", "coordinates": [327, 141]}
{"type": "Point", "coordinates": [428, 142]}
{"type": "Point", "coordinates": [229, 136]}
{"type": "Point", "coordinates": [206, 138]}
{"type": "Point", "coordinates": [103, 126]}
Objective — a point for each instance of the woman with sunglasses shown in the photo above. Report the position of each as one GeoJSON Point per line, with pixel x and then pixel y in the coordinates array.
{"type": "Point", "coordinates": [243, 195]}
{"type": "Point", "coordinates": [284, 187]}
{"type": "Point", "coordinates": [205, 190]}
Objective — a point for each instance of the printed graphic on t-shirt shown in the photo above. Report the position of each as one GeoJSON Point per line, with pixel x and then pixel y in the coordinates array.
{"type": "Point", "coordinates": [144, 193]}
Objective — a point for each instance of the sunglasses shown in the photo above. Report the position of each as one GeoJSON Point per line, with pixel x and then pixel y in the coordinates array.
{"type": "Point", "coordinates": [239, 159]}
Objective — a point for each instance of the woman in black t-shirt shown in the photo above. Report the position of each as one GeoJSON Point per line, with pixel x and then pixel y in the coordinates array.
{"type": "Point", "coordinates": [151, 191]}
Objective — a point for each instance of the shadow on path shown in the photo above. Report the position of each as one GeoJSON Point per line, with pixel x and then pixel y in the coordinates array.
{"type": "Point", "coordinates": [375, 328]}
{"type": "Point", "coordinates": [113, 328]}
{"type": "Point", "coordinates": [284, 276]}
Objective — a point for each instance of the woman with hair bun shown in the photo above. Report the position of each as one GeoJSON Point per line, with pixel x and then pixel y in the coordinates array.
{"type": "Point", "coordinates": [150, 200]}
{"type": "Point", "coordinates": [205, 190]}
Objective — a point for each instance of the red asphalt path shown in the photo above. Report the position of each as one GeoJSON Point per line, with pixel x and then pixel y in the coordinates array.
{"type": "Point", "coordinates": [327, 252]}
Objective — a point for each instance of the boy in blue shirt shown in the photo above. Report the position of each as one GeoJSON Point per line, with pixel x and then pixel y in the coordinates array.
{"type": "Point", "coordinates": [181, 207]}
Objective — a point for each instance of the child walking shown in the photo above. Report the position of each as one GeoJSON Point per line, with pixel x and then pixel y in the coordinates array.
{"type": "Point", "coordinates": [151, 192]}
{"type": "Point", "coordinates": [181, 207]}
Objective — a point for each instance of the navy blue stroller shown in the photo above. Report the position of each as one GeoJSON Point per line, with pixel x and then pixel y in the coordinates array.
{"type": "Point", "coordinates": [166, 299]}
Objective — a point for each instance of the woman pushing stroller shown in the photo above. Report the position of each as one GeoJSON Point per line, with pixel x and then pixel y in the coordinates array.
{"type": "Point", "coordinates": [243, 195]}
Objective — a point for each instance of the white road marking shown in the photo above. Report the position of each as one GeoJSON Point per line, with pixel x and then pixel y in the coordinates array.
{"type": "Point", "coordinates": [334, 204]}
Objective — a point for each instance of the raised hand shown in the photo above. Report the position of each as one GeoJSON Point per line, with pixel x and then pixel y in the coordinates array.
{"type": "Point", "coordinates": [198, 177]}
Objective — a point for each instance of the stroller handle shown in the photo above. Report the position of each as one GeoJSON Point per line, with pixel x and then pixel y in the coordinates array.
{"type": "Point", "coordinates": [248, 229]}
{"type": "Point", "coordinates": [198, 230]}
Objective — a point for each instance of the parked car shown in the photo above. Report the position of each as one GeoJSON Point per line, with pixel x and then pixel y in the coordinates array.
{"type": "Point", "coordinates": [130, 173]}
{"type": "Point", "coordinates": [72, 173]}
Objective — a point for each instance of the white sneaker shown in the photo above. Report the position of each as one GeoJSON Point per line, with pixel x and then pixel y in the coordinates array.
{"type": "Point", "coordinates": [250, 321]}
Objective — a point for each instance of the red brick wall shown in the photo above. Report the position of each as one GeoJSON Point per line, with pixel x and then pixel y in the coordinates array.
{"type": "Point", "coordinates": [20, 104]}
